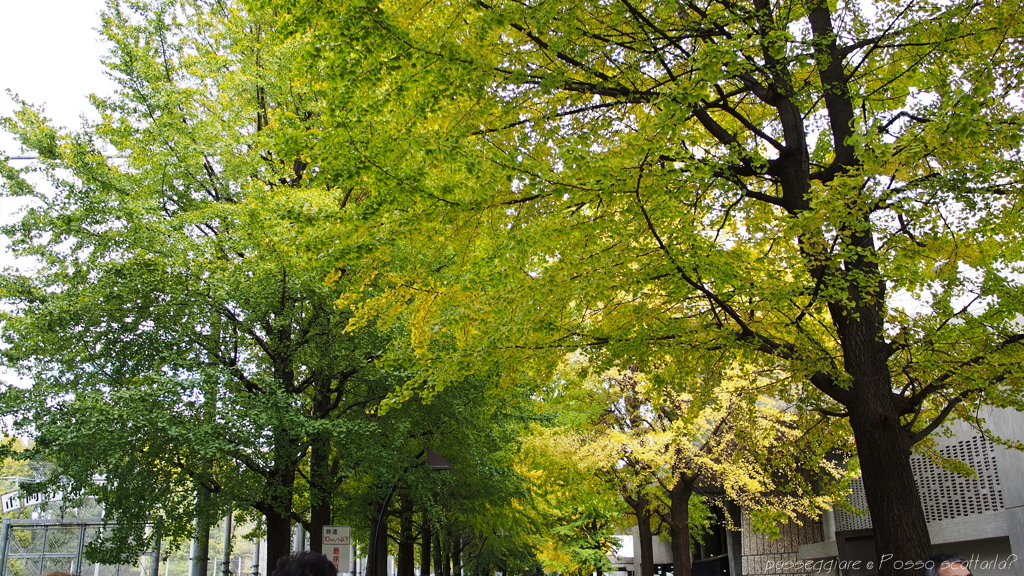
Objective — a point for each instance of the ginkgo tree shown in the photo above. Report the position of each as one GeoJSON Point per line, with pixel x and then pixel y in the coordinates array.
{"type": "Point", "coordinates": [667, 443]}
{"type": "Point", "coordinates": [578, 512]}
{"type": "Point", "coordinates": [170, 310]}
{"type": "Point", "coordinates": [833, 185]}
{"type": "Point", "coordinates": [183, 312]}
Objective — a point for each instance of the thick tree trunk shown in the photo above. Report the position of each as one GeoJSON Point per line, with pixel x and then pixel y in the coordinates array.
{"type": "Point", "coordinates": [200, 553]}
{"type": "Point", "coordinates": [279, 536]}
{"type": "Point", "coordinates": [320, 490]}
{"type": "Point", "coordinates": [859, 315]}
{"type": "Point", "coordinates": [278, 506]}
{"type": "Point", "coordinates": [377, 555]}
{"type": "Point", "coordinates": [679, 525]}
{"type": "Point", "coordinates": [883, 445]}
{"type": "Point", "coordinates": [456, 556]}
{"type": "Point", "coordinates": [438, 559]}
{"type": "Point", "coordinates": [406, 541]}
{"type": "Point", "coordinates": [427, 535]}
{"type": "Point", "coordinates": [321, 480]}
{"type": "Point", "coordinates": [641, 510]}
{"type": "Point", "coordinates": [884, 450]}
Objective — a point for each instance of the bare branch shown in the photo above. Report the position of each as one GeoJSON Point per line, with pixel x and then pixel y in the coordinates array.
{"type": "Point", "coordinates": [938, 420]}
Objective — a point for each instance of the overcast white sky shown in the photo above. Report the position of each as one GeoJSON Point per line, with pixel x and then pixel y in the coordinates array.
{"type": "Point", "coordinates": [50, 55]}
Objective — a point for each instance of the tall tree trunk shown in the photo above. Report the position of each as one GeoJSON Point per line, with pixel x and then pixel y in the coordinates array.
{"type": "Point", "coordinates": [679, 525]}
{"type": "Point", "coordinates": [200, 553]}
{"type": "Point", "coordinates": [279, 536]}
{"type": "Point", "coordinates": [288, 445]}
{"type": "Point", "coordinates": [446, 553]}
{"type": "Point", "coordinates": [456, 555]}
{"type": "Point", "coordinates": [426, 535]}
{"type": "Point", "coordinates": [884, 449]}
{"type": "Point", "coordinates": [406, 540]}
{"type": "Point", "coordinates": [321, 478]}
{"type": "Point", "coordinates": [438, 558]}
{"type": "Point", "coordinates": [377, 556]}
{"type": "Point", "coordinates": [883, 444]}
{"type": "Point", "coordinates": [278, 505]}
{"type": "Point", "coordinates": [640, 505]}
{"type": "Point", "coordinates": [320, 490]}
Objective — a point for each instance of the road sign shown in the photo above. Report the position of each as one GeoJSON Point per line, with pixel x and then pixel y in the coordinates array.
{"type": "Point", "coordinates": [337, 546]}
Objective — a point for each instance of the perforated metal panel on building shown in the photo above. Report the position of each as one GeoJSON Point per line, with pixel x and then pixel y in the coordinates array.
{"type": "Point", "coordinates": [945, 495]}
{"type": "Point", "coordinates": [859, 520]}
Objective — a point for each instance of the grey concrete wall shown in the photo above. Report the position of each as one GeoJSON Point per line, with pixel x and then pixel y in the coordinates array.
{"type": "Point", "coordinates": [662, 550]}
{"type": "Point", "coordinates": [990, 538]}
{"type": "Point", "coordinates": [1009, 424]}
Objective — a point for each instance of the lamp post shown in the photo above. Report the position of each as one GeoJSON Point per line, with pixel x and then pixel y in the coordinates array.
{"type": "Point", "coordinates": [376, 559]}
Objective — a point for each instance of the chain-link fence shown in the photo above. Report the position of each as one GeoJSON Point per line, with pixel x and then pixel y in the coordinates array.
{"type": "Point", "coordinates": [37, 547]}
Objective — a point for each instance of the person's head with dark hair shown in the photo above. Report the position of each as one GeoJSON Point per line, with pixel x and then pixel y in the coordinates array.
{"type": "Point", "coordinates": [306, 563]}
{"type": "Point", "coordinates": [947, 565]}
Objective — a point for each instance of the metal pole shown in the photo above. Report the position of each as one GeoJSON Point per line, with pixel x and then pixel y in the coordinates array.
{"type": "Point", "coordinates": [154, 568]}
{"type": "Point", "coordinates": [5, 533]}
{"type": "Point", "coordinates": [42, 547]}
{"type": "Point", "coordinates": [373, 556]}
{"type": "Point", "coordinates": [255, 559]}
{"type": "Point", "coordinates": [81, 545]}
{"type": "Point", "coordinates": [226, 571]}
{"type": "Point", "coordinates": [200, 549]}
{"type": "Point", "coordinates": [80, 551]}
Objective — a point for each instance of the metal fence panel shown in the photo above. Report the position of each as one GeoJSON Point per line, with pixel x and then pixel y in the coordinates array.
{"type": "Point", "coordinates": [34, 548]}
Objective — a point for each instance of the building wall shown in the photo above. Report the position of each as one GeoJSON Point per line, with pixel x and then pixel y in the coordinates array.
{"type": "Point", "coordinates": [945, 495]}
{"type": "Point", "coordinates": [1009, 424]}
{"type": "Point", "coordinates": [662, 550]}
{"type": "Point", "coordinates": [764, 556]}
{"type": "Point", "coordinates": [980, 518]}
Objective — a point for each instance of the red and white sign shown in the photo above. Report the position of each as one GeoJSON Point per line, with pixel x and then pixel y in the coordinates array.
{"type": "Point", "coordinates": [338, 546]}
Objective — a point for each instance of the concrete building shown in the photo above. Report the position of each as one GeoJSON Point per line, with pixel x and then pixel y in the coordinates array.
{"type": "Point", "coordinates": [980, 518]}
